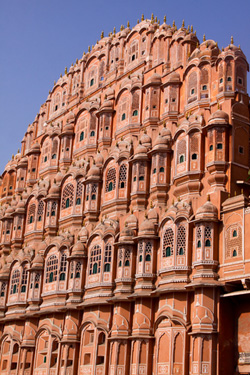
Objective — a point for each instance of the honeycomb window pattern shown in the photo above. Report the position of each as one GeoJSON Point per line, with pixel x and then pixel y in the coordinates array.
{"type": "Point", "coordinates": [95, 260]}
{"type": "Point", "coordinates": [168, 242]}
{"type": "Point", "coordinates": [15, 280]}
{"type": "Point", "coordinates": [181, 240]}
{"type": "Point", "coordinates": [68, 195]}
{"type": "Point", "coordinates": [111, 180]}
{"type": "Point", "coordinates": [52, 269]}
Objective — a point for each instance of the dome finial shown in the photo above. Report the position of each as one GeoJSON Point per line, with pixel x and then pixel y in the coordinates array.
{"type": "Point", "coordinates": [165, 19]}
{"type": "Point", "coordinates": [142, 17]}
{"type": "Point", "coordinates": [183, 23]}
{"type": "Point", "coordinates": [88, 48]}
{"type": "Point", "coordinates": [218, 105]}
{"type": "Point", "coordinates": [114, 31]}
{"type": "Point", "coordinates": [66, 70]}
{"type": "Point", "coordinates": [152, 17]}
{"type": "Point", "coordinates": [208, 197]}
{"type": "Point", "coordinates": [232, 40]}
{"type": "Point", "coordinates": [128, 24]}
{"type": "Point", "coordinates": [102, 35]}
{"type": "Point", "coordinates": [204, 38]}
{"type": "Point", "coordinates": [173, 23]}
{"type": "Point", "coordinates": [192, 29]}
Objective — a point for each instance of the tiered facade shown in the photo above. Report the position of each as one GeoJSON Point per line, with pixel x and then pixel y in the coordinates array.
{"type": "Point", "coordinates": [125, 217]}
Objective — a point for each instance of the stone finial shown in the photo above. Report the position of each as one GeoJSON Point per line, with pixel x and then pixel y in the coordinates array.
{"type": "Point", "coordinates": [54, 83]}
{"type": "Point", "coordinates": [173, 201]}
{"type": "Point", "coordinates": [114, 31]}
{"type": "Point", "coordinates": [142, 17]}
{"type": "Point", "coordinates": [188, 29]}
{"type": "Point", "coordinates": [128, 24]}
{"type": "Point", "coordinates": [61, 75]}
{"type": "Point", "coordinates": [218, 105]}
{"type": "Point", "coordinates": [102, 35]}
{"type": "Point", "coordinates": [204, 38]}
{"type": "Point", "coordinates": [76, 61]}
{"type": "Point", "coordinates": [208, 197]}
{"type": "Point", "coordinates": [239, 46]}
{"type": "Point", "coordinates": [156, 19]}
{"type": "Point", "coordinates": [192, 29]}
{"type": "Point", "coordinates": [232, 40]}
{"type": "Point", "coordinates": [165, 19]}
{"type": "Point", "coordinates": [152, 17]}
{"type": "Point", "coordinates": [183, 23]}
{"type": "Point", "coordinates": [88, 48]}
{"type": "Point", "coordinates": [174, 23]}
{"type": "Point", "coordinates": [138, 21]}
{"type": "Point", "coordinates": [66, 70]}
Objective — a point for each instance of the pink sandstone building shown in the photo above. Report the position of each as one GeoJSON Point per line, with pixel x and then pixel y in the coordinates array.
{"type": "Point", "coordinates": [125, 218]}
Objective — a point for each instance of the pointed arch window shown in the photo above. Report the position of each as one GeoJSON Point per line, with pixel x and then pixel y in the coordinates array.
{"type": "Point", "coordinates": [78, 270]}
{"type": "Point", "coordinates": [123, 176]}
{"type": "Point", "coordinates": [67, 196]}
{"type": "Point", "coordinates": [181, 240]}
{"type": "Point", "coordinates": [81, 136]}
{"type": "Point", "coordinates": [31, 213]}
{"type": "Point", "coordinates": [63, 267]}
{"type": "Point", "coordinates": [168, 243]}
{"type": "Point", "coordinates": [111, 180]}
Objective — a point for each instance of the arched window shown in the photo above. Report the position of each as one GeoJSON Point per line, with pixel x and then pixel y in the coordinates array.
{"type": "Point", "coordinates": [208, 243]}
{"type": "Point", "coordinates": [95, 260]}
{"type": "Point", "coordinates": [148, 258]}
{"type": "Point", "coordinates": [154, 170]}
{"type": "Point", "coordinates": [67, 196]}
{"type": "Point", "coordinates": [194, 156]}
{"type": "Point", "coordinates": [63, 267]}
{"type": "Point", "coordinates": [92, 134]}
{"type": "Point", "coordinates": [40, 210]}
{"type": "Point", "coordinates": [211, 147]}
{"type": "Point", "coordinates": [135, 113]}
{"type": "Point", "coordinates": [219, 146]}
{"type": "Point", "coordinates": [15, 280]}
{"type": "Point", "coordinates": [140, 258]}
{"type": "Point", "coordinates": [92, 81]}
{"type": "Point", "coordinates": [53, 156]}
{"type": "Point", "coordinates": [122, 176]}
{"type": "Point", "coordinates": [3, 288]}
{"type": "Point", "coordinates": [107, 257]}
{"type": "Point", "coordinates": [199, 243]}
{"type": "Point", "coordinates": [51, 269]}
{"type": "Point", "coordinates": [24, 280]}
{"type": "Point", "coordinates": [81, 136]}
{"type": "Point", "coordinates": [148, 252]}
{"type": "Point", "coordinates": [235, 233]}
{"type": "Point", "coordinates": [37, 281]}
{"type": "Point", "coordinates": [127, 258]}
{"type": "Point", "coordinates": [123, 116]}
{"type": "Point", "coordinates": [182, 159]}
{"type": "Point", "coordinates": [78, 201]}
{"type": "Point", "coordinates": [168, 242]}
{"type": "Point", "coordinates": [162, 170]}
{"type": "Point", "coordinates": [111, 180]}
{"type": "Point", "coordinates": [234, 253]}
{"type": "Point", "coordinates": [181, 240]}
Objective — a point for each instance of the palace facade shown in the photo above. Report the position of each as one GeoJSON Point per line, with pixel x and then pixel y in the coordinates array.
{"type": "Point", "coordinates": [125, 217]}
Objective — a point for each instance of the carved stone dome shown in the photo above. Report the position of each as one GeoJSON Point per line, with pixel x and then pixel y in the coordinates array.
{"type": "Point", "coordinates": [207, 212]}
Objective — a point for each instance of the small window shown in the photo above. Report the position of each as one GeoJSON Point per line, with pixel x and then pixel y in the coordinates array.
{"type": "Point", "coordinates": [199, 243]}
{"type": "Point", "coordinates": [39, 218]}
{"type": "Point", "coordinates": [182, 159]}
{"type": "Point", "coordinates": [36, 285]}
{"type": "Point", "coordinates": [56, 107]}
{"type": "Point", "coordinates": [219, 146]}
{"type": "Point", "coordinates": [211, 147]}
{"type": "Point", "coordinates": [120, 264]}
{"type": "Point", "coordinates": [67, 148]}
{"type": "Point", "coordinates": [181, 251]}
{"type": "Point", "coordinates": [31, 219]}
{"type": "Point", "coordinates": [241, 150]}
{"type": "Point", "coordinates": [102, 78]}
{"type": "Point", "coordinates": [33, 170]}
{"type": "Point", "coordinates": [53, 213]}
{"type": "Point", "coordinates": [192, 91]}
{"type": "Point", "coordinates": [235, 233]}
{"type": "Point", "coordinates": [92, 82]}
{"type": "Point", "coordinates": [204, 87]}
{"type": "Point", "coordinates": [154, 170]}
{"type": "Point", "coordinates": [62, 276]}
{"type": "Point", "coordinates": [78, 201]}
{"type": "Point", "coordinates": [140, 258]}
{"type": "Point", "coordinates": [154, 106]}
{"type": "Point", "coordinates": [135, 113]}
{"type": "Point", "coordinates": [134, 178]}
{"type": "Point", "coordinates": [229, 79]}
{"type": "Point", "coordinates": [162, 170]}
{"type": "Point", "coordinates": [92, 134]}
{"type": "Point", "coordinates": [107, 267]}
{"type": "Point", "coordinates": [148, 258]}
{"type": "Point", "coordinates": [22, 178]}
{"type": "Point", "coordinates": [93, 197]}
{"type": "Point", "coordinates": [110, 187]}
{"type": "Point", "coordinates": [133, 57]}
{"type": "Point", "coordinates": [234, 253]}
{"type": "Point", "coordinates": [77, 275]}
{"type": "Point", "coordinates": [53, 156]}
{"type": "Point", "coordinates": [221, 80]}
{"type": "Point", "coordinates": [23, 289]}
{"type": "Point", "coordinates": [122, 185]}
{"type": "Point", "coordinates": [143, 53]}
{"type": "Point", "coordinates": [45, 159]}
{"type": "Point", "coordinates": [81, 136]}
{"type": "Point", "coordinates": [194, 156]}
{"type": "Point", "coordinates": [87, 198]}
{"type": "Point", "coordinates": [168, 251]}
{"type": "Point", "coordinates": [141, 178]}
{"type": "Point", "coordinates": [67, 203]}
{"type": "Point", "coordinates": [44, 359]}
{"type": "Point", "coordinates": [127, 264]}
{"type": "Point", "coordinates": [123, 116]}
{"type": "Point", "coordinates": [166, 101]}
{"type": "Point", "coordinates": [240, 81]}
{"type": "Point", "coordinates": [94, 268]}
{"type": "Point", "coordinates": [107, 128]}
{"type": "Point", "coordinates": [51, 276]}
{"type": "Point", "coordinates": [208, 243]}
{"type": "Point", "coordinates": [173, 100]}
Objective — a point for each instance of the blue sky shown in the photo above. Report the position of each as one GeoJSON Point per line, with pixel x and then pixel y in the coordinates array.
{"type": "Point", "coordinates": [38, 38]}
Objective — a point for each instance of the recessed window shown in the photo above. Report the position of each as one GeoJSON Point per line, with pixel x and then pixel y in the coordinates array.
{"type": "Point", "coordinates": [182, 159]}
{"type": "Point", "coordinates": [154, 106]}
{"type": "Point", "coordinates": [173, 100]}
{"type": "Point", "coordinates": [240, 81]}
{"type": "Point", "coordinates": [146, 107]}
{"type": "Point", "coordinates": [102, 78]}
{"type": "Point", "coordinates": [211, 147]}
{"type": "Point", "coordinates": [92, 82]}
{"type": "Point", "coordinates": [234, 253]}
{"type": "Point", "coordinates": [53, 156]}
{"type": "Point", "coordinates": [123, 116]}
{"type": "Point", "coordinates": [161, 170]}
{"type": "Point", "coordinates": [10, 188]}
{"type": "Point", "coordinates": [229, 79]}
{"type": "Point", "coordinates": [45, 159]}
{"type": "Point", "coordinates": [22, 178]}
{"type": "Point", "coordinates": [154, 170]}
{"type": "Point", "coordinates": [33, 170]}
{"type": "Point", "coordinates": [67, 148]}
{"type": "Point", "coordinates": [93, 197]}
{"type": "Point", "coordinates": [135, 113]}
{"type": "Point", "coordinates": [134, 178]}
{"type": "Point", "coordinates": [140, 258]}
{"type": "Point", "coordinates": [166, 101]}
{"type": "Point", "coordinates": [199, 243]}
{"type": "Point", "coordinates": [221, 80]}
{"type": "Point", "coordinates": [219, 146]}
{"type": "Point", "coordinates": [87, 198]}
{"type": "Point", "coordinates": [78, 201]}
{"type": "Point", "coordinates": [81, 136]}
{"type": "Point", "coordinates": [235, 233]}
{"type": "Point", "coordinates": [143, 53]}
{"type": "Point", "coordinates": [92, 134]}
{"type": "Point", "coordinates": [143, 40]}
{"type": "Point", "coordinates": [67, 203]}
{"type": "Point", "coordinates": [133, 57]}
{"type": "Point", "coordinates": [56, 107]}
{"type": "Point", "coordinates": [141, 178]}
{"type": "Point", "coordinates": [192, 91]}
{"type": "Point", "coordinates": [194, 156]}
{"type": "Point", "coordinates": [127, 264]}
{"type": "Point", "coordinates": [148, 258]}
{"type": "Point", "coordinates": [241, 150]}
{"type": "Point", "coordinates": [53, 213]}
{"type": "Point", "coordinates": [39, 218]}
{"type": "Point", "coordinates": [204, 87]}
{"type": "Point", "coordinates": [181, 251]}
{"type": "Point", "coordinates": [207, 243]}
{"type": "Point", "coordinates": [31, 220]}
{"type": "Point", "coordinates": [107, 128]}
{"type": "Point", "coordinates": [168, 251]}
